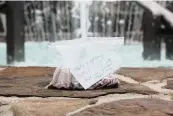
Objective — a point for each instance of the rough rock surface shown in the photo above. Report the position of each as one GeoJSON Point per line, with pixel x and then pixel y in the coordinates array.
{"type": "Point", "coordinates": [31, 72]}
{"type": "Point", "coordinates": [46, 107]}
{"type": "Point", "coordinates": [133, 107]}
{"type": "Point", "coordinates": [169, 84]}
{"type": "Point", "coordinates": [30, 81]}
{"type": "Point", "coordinates": [147, 74]}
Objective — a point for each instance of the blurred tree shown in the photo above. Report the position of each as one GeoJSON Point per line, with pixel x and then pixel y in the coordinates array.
{"type": "Point", "coordinates": [15, 31]}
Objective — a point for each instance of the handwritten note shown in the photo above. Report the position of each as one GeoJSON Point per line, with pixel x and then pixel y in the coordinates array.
{"type": "Point", "coordinates": [90, 60]}
{"type": "Point", "coordinates": [93, 70]}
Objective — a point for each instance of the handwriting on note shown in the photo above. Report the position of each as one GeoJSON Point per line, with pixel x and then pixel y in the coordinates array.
{"type": "Point", "coordinates": [93, 70]}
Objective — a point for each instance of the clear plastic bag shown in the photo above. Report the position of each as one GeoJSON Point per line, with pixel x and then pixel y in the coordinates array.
{"type": "Point", "coordinates": [63, 79]}
{"type": "Point", "coordinates": [77, 52]}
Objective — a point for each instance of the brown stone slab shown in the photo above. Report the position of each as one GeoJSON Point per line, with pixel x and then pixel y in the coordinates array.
{"type": "Point", "coordinates": [139, 74]}
{"type": "Point", "coordinates": [131, 107]}
{"type": "Point", "coordinates": [30, 81]}
{"type": "Point", "coordinates": [47, 107]}
{"type": "Point", "coordinates": [171, 96]}
{"type": "Point", "coordinates": [147, 74]}
{"type": "Point", "coordinates": [27, 72]}
{"type": "Point", "coordinates": [169, 84]}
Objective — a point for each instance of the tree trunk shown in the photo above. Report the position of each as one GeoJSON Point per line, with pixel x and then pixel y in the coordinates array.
{"type": "Point", "coordinates": [151, 42]}
{"type": "Point", "coordinates": [15, 31]}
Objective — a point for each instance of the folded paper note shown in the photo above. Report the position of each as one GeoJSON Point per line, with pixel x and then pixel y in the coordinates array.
{"type": "Point", "coordinates": [91, 59]}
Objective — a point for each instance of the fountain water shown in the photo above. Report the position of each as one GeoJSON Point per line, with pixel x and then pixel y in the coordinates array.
{"type": "Point", "coordinates": [84, 16]}
{"type": "Point", "coordinates": [63, 20]}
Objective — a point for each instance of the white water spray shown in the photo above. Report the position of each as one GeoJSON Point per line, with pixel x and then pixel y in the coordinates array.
{"type": "Point", "coordinates": [84, 17]}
